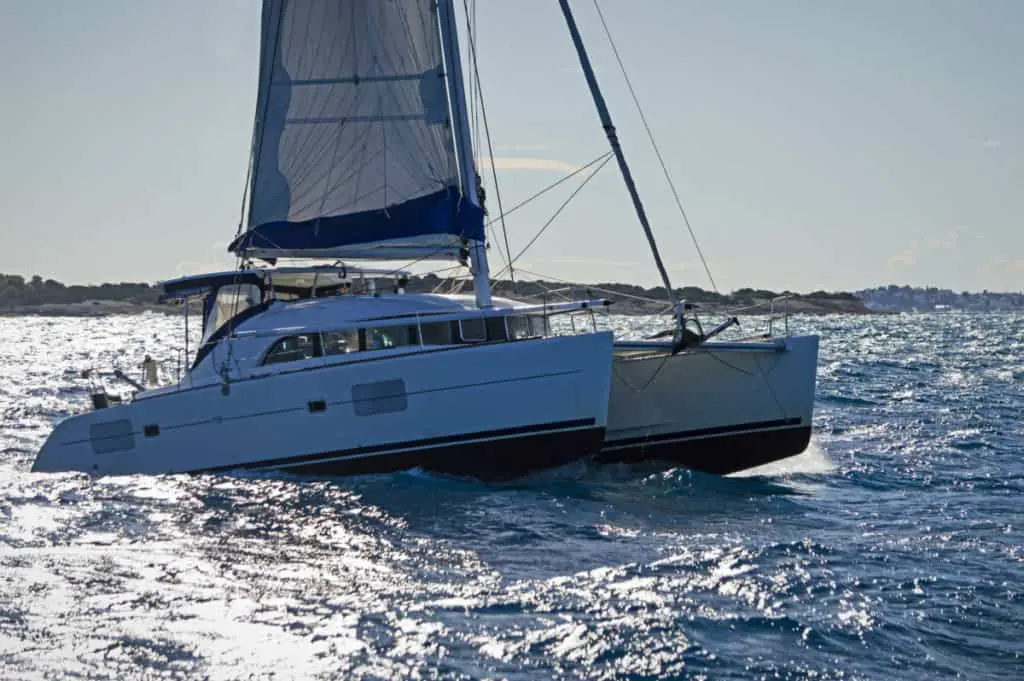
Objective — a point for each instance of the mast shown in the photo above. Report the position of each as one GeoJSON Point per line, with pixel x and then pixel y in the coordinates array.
{"type": "Point", "coordinates": [613, 140]}
{"type": "Point", "coordinates": [463, 144]}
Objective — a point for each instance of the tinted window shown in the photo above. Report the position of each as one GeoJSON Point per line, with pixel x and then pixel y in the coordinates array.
{"type": "Point", "coordinates": [391, 337]}
{"type": "Point", "coordinates": [437, 333]}
{"type": "Point", "coordinates": [496, 329]}
{"type": "Point", "coordinates": [340, 342]}
{"type": "Point", "coordinates": [472, 330]}
{"type": "Point", "coordinates": [292, 349]}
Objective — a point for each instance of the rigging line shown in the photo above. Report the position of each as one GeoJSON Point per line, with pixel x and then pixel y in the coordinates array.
{"type": "Point", "coordinates": [654, 375]}
{"type": "Point", "coordinates": [571, 175]}
{"type": "Point", "coordinates": [440, 269]}
{"type": "Point", "coordinates": [245, 188]}
{"type": "Point", "coordinates": [595, 288]}
{"type": "Point", "coordinates": [235, 301]}
{"type": "Point", "coordinates": [474, 93]}
{"type": "Point", "coordinates": [657, 152]}
{"type": "Point", "coordinates": [565, 203]}
{"type": "Point", "coordinates": [259, 127]}
{"type": "Point", "coordinates": [493, 239]}
{"type": "Point", "coordinates": [414, 262]}
{"type": "Point", "coordinates": [630, 296]}
{"type": "Point", "coordinates": [490, 147]}
{"type": "Point", "coordinates": [601, 107]}
{"type": "Point", "coordinates": [771, 389]}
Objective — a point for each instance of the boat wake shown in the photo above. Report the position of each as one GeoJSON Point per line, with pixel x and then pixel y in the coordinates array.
{"type": "Point", "coordinates": [813, 461]}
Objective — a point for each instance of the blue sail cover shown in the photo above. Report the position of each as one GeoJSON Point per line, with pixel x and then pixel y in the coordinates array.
{"type": "Point", "coordinates": [353, 141]}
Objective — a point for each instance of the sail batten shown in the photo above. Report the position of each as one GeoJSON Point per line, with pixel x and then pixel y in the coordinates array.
{"type": "Point", "coordinates": [354, 80]}
{"type": "Point", "coordinates": [354, 139]}
{"type": "Point", "coordinates": [355, 119]}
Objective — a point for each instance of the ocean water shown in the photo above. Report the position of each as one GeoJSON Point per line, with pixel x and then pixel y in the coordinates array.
{"type": "Point", "coordinates": [891, 549]}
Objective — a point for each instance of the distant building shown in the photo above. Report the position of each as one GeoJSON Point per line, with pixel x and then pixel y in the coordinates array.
{"type": "Point", "coordinates": [908, 299]}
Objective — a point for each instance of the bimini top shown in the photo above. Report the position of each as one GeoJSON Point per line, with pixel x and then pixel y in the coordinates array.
{"type": "Point", "coordinates": [353, 149]}
{"type": "Point", "coordinates": [295, 280]}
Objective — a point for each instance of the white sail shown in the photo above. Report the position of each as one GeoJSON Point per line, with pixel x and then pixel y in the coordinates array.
{"type": "Point", "coordinates": [353, 137]}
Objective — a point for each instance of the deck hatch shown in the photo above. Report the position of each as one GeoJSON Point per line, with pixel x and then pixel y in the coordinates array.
{"type": "Point", "coordinates": [381, 397]}
{"type": "Point", "coordinates": [111, 436]}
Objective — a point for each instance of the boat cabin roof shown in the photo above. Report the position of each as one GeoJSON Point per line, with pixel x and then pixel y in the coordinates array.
{"type": "Point", "coordinates": [295, 280]}
{"type": "Point", "coordinates": [341, 311]}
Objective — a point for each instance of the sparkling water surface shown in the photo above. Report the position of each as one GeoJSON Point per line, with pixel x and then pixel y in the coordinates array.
{"type": "Point", "coordinates": [891, 549]}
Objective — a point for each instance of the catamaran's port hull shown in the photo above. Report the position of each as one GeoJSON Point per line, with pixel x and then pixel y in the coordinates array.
{"type": "Point", "coordinates": [491, 411]}
{"type": "Point", "coordinates": [717, 409]}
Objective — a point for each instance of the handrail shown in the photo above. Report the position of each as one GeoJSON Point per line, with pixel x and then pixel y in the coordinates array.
{"type": "Point", "coordinates": [411, 317]}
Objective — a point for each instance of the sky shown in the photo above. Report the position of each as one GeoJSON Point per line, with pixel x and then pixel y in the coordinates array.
{"type": "Point", "coordinates": [816, 144]}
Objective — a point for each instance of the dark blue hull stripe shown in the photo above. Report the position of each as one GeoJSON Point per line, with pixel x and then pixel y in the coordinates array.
{"type": "Point", "coordinates": [719, 451]}
{"type": "Point", "coordinates": [488, 438]}
{"type": "Point", "coordinates": [702, 432]}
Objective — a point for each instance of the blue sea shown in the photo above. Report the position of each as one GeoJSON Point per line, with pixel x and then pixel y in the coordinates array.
{"type": "Point", "coordinates": [892, 549]}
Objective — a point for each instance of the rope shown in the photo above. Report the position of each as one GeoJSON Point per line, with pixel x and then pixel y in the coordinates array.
{"type": "Point", "coordinates": [487, 135]}
{"type": "Point", "coordinates": [591, 287]}
{"type": "Point", "coordinates": [771, 389]}
{"type": "Point", "coordinates": [551, 186]}
{"type": "Point", "coordinates": [557, 212]}
{"type": "Point", "coordinates": [416, 261]}
{"type": "Point", "coordinates": [622, 377]}
{"type": "Point", "coordinates": [650, 135]}
{"type": "Point", "coordinates": [258, 131]}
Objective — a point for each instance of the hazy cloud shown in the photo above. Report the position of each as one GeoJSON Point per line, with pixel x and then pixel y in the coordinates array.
{"type": "Point", "coordinates": [588, 260]}
{"type": "Point", "coordinates": [949, 242]}
{"type": "Point", "coordinates": [1008, 267]}
{"type": "Point", "coordinates": [901, 260]}
{"type": "Point", "coordinates": [569, 267]}
{"type": "Point", "coordinates": [521, 147]}
{"type": "Point", "coordinates": [217, 260]}
{"type": "Point", "coordinates": [987, 142]}
{"type": "Point", "coordinates": [187, 268]}
{"type": "Point", "coordinates": [1004, 273]}
{"type": "Point", "coordinates": [526, 163]}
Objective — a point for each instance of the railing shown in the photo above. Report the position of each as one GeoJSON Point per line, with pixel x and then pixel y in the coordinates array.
{"type": "Point", "coordinates": [417, 319]}
{"type": "Point", "coordinates": [178, 359]}
{"type": "Point", "coordinates": [772, 316]}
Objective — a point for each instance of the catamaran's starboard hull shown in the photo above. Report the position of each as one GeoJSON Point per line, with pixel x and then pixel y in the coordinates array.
{"type": "Point", "coordinates": [713, 410]}
{"type": "Point", "coordinates": [491, 411]}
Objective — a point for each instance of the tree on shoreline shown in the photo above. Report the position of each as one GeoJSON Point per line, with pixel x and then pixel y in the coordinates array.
{"type": "Point", "coordinates": [15, 291]}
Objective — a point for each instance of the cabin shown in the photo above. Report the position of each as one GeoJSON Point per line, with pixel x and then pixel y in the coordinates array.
{"type": "Point", "coordinates": [261, 321]}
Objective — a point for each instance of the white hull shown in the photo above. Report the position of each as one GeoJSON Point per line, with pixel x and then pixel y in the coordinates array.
{"type": "Point", "coordinates": [719, 409]}
{"type": "Point", "coordinates": [490, 410]}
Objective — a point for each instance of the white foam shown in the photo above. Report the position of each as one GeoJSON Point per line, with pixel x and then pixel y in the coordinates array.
{"type": "Point", "coordinates": [813, 461]}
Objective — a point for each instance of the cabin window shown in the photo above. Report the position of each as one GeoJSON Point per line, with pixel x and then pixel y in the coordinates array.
{"type": "Point", "coordinates": [527, 326]}
{"type": "Point", "coordinates": [340, 342]}
{"type": "Point", "coordinates": [292, 349]}
{"type": "Point", "coordinates": [436, 333]}
{"type": "Point", "coordinates": [518, 327]}
{"type": "Point", "coordinates": [391, 337]}
{"type": "Point", "coordinates": [496, 329]}
{"type": "Point", "coordinates": [472, 330]}
{"type": "Point", "coordinates": [226, 303]}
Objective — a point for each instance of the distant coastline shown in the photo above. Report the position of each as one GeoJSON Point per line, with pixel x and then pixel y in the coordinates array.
{"type": "Point", "coordinates": [38, 296]}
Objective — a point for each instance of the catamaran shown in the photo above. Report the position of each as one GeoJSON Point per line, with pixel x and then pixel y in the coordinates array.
{"type": "Point", "coordinates": [362, 151]}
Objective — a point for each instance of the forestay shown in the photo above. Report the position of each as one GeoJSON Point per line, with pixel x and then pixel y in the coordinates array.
{"type": "Point", "coordinates": [353, 145]}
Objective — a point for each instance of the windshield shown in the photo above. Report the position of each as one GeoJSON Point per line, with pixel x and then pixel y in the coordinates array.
{"type": "Point", "coordinates": [227, 302]}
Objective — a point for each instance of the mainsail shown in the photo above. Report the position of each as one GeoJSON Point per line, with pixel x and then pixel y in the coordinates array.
{"type": "Point", "coordinates": [354, 153]}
